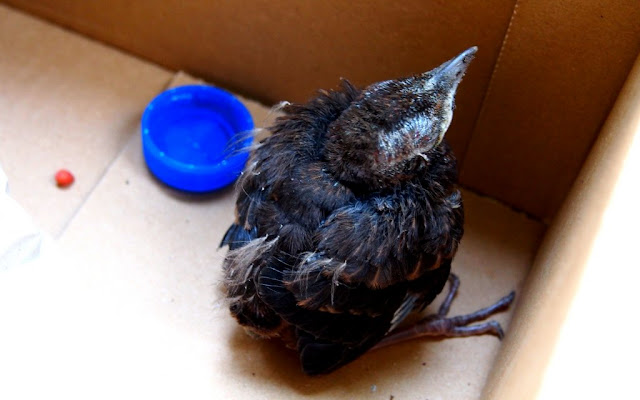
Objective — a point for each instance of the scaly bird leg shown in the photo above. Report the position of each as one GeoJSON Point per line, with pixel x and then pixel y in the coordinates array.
{"type": "Point", "coordinates": [439, 325]}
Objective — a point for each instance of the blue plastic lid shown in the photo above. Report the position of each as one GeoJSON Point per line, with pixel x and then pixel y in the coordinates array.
{"type": "Point", "coordinates": [196, 138]}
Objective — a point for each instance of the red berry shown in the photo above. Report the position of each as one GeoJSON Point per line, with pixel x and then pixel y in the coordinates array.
{"type": "Point", "coordinates": [64, 178]}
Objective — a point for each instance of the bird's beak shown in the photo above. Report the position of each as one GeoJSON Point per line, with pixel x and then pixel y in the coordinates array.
{"type": "Point", "coordinates": [445, 80]}
{"type": "Point", "coordinates": [451, 72]}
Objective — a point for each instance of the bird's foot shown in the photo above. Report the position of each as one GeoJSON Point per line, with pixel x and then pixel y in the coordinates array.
{"type": "Point", "coordinates": [440, 325]}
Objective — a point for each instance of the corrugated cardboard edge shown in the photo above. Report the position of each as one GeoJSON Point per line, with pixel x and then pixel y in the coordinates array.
{"type": "Point", "coordinates": [558, 270]}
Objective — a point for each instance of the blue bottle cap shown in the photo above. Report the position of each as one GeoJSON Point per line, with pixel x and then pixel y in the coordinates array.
{"type": "Point", "coordinates": [196, 138]}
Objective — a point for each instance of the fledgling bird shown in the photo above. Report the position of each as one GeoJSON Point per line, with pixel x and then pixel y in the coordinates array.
{"type": "Point", "coordinates": [348, 217]}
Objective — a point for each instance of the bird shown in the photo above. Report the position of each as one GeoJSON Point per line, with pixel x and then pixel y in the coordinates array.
{"type": "Point", "coordinates": [348, 216]}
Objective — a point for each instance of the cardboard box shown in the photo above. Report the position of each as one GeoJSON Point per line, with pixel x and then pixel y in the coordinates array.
{"type": "Point", "coordinates": [129, 306]}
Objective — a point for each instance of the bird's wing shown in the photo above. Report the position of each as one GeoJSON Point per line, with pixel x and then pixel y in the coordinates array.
{"type": "Point", "coordinates": [326, 338]}
{"type": "Point", "coordinates": [344, 296]}
{"type": "Point", "coordinates": [237, 236]}
{"type": "Point", "coordinates": [404, 310]}
{"type": "Point", "coordinates": [379, 243]}
{"type": "Point", "coordinates": [370, 254]}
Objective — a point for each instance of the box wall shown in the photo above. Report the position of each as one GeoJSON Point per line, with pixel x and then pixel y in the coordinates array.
{"type": "Point", "coordinates": [559, 72]}
{"type": "Point", "coordinates": [566, 256]}
{"type": "Point", "coordinates": [287, 49]}
{"type": "Point", "coordinates": [555, 77]}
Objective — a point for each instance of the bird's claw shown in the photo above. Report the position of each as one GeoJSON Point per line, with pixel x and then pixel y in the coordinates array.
{"type": "Point", "coordinates": [439, 325]}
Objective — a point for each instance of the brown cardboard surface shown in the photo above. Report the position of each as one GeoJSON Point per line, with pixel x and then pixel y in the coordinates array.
{"type": "Point", "coordinates": [608, 288]}
{"type": "Point", "coordinates": [147, 273]}
{"type": "Point", "coordinates": [559, 72]}
{"type": "Point", "coordinates": [66, 102]}
{"type": "Point", "coordinates": [550, 87]}
{"type": "Point", "coordinates": [571, 328]}
{"type": "Point", "coordinates": [132, 308]}
{"type": "Point", "coordinates": [287, 49]}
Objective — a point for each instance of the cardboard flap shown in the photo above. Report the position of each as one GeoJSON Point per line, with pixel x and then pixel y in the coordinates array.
{"type": "Point", "coordinates": [587, 256]}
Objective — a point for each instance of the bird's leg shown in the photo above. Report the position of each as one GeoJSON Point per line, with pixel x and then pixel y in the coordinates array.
{"type": "Point", "coordinates": [439, 325]}
{"type": "Point", "coordinates": [454, 284]}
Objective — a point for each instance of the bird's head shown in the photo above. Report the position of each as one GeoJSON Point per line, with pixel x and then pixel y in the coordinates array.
{"type": "Point", "coordinates": [396, 124]}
